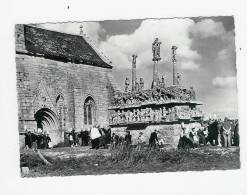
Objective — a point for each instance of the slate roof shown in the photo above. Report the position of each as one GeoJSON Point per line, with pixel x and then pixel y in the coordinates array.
{"type": "Point", "coordinates": [62, 46]}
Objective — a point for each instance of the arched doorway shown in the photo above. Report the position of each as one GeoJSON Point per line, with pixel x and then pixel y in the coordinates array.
{"type": "Point", "coordinates": [89, 112]}
{"type": "Point", "coordinates": [47, 120]}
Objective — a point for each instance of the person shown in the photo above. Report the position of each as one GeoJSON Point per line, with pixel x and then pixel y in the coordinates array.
{"type": "Point", "coordinates": [236, 134]}
{"type": "Point", "coordinates": [213, 132]}
{"type": "Point", "coordinates": [71, 141]}
{"type": "Point", "coordinates": [140, 142]}
{"type": "Point", "coordinates": [185, 141]}
{"type": "Point", "coordinates": [153, 139]}
{"type": "Point", "coordinates": [202, 135]}
{"type": "Point", "coordinates": [35, 145]}
{"type": "Point", "coordinates": [113, 144]}
{"type": "Point", "coordinates": [95, 135]}
{"type": "Point", "coordinates": [220, 132]}
{"type": "Point", "coordinates": [115, 140]}
{"type": "Point", "coordinates": [161, 143]}
{"type": "Point", "coordinates": [39, 131]}
{"type": "Point", "coordinates": [86, 137]}
{"type": "Point", "coordinates": [28, 140]}
{"type": "Point", "coordinates": [127, 138]}
{"type": "Point", "coordinates": [194, 137]}
{"type": "Point", "coordinates": [48, 140]}
{"type": "Point", "coordinates": [74, 137]}
{"type": "Point", "coordinates": [227, 132]}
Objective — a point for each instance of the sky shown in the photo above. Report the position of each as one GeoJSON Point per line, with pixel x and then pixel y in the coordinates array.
{"type": "Point", "coordinates": [205, 55]}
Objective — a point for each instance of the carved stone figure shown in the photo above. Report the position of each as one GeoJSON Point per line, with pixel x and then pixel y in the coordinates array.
{"type": "Point", "coordinates": [192, 93]}
{"type": "Point", "coordinates": [178, 78]}
{"type": "Point", "coordinates": [137, 87]}
{"type": "Point", "coordinates": [163, 80]}
{"type": "Point", "coordinates": [134, 60]}
{"type": "Point", "coordinates": [141, 85]}
{"type": "Point", "coordinates": [127, 83]}
{"type": "Point", "coordinates": [156, 50]}
{"type": "Point", "coordinates": [164, 112]}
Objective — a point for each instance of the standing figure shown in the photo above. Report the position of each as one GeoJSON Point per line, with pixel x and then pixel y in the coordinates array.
{"type": "Point", "coordinates": [28, 140]}
{"type": "Point", "coordinates": [71, 140]}
{"type": "Point", "coordinates": [178, 78]}
{"type": "Point", "coordinates": [141, 84]}
{"type": "Point", "coordinates": [164, 112]}
{"type": "Point", "coordinates": [137, 86]}
{"type": "Point", "coordinates": [192, 93]}
{"type": "Point", "coordinates": [118, 116]}
{"type": "Point", "coordinates": [127, 83]}
{"type": "Point", "coordinates": [74, 136]}
{"type": "Point", "coordinates": [156, 50]}
{"type": "Point", "coordinates": [140, 142]}
{"type": "Point", "coordinates": [227, 132]}
{"type": "Point", "coordinates": [163, 79]}
{"type": "Point", "coordinates": [127, 138]}
{"type": "Point", "coordinates": [153, 140]}
{"type": "Point", "coordinates": [95, 135]}
{"type": "Point", "coordinates": [127, 116]}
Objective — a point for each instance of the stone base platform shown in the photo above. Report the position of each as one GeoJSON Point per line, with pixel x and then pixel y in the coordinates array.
{"type": "Point", "coordinates": [169, 132]}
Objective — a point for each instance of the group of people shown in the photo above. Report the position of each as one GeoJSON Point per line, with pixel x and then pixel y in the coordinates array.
{"type": "Point", "coordinates": [98, 135]}
{"type": "Point", "coordinates": [214, 131]}
{"type": "Point", "coordinates": [37, 140]}
{"type": "Point", "coordinates": [82, 138]}
{"type": "Point", "coordinates": [153, 141]}
{"type": "Point", "coordinates": [155, 115]}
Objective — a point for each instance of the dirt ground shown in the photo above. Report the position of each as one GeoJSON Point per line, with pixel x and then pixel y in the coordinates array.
{"type": "Point", "coordinates": [85, 161]}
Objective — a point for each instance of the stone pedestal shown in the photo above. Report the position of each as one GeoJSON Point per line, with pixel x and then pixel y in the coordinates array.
{"type": "Point", "coordinates": [155, 74]}
{"type": "Point", "coordinates": [170, 133]}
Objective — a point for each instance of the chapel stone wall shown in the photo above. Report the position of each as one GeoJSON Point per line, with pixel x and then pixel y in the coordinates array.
{"type": "Point", "coordinates": [40, 80]}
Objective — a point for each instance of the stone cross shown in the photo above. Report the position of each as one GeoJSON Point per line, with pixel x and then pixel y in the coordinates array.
{"type": "Point", "coordinates": [81, 29]}
{"type": "Point", "coordinates": [134, 56]}
{"type": "Point", "coordinates": [174, 48]}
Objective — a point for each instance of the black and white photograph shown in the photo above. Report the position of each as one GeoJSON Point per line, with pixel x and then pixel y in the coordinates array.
{"type": "Point", "coordinates": [127, 96]}
{"type": "Point", "coordinates": [123, 97]}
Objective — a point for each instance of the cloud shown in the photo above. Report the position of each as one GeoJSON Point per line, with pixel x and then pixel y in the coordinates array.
{"type": "Point", "coordinates": [226, 57]}
{"type": "Point", "coordinates": [189, 65]}
{"type": "Point", "coordinates": [224, 82]}
{"type": "Point", "coordinates": [169, 31]}
{"type": "Point", "coordinates": [207, 28]}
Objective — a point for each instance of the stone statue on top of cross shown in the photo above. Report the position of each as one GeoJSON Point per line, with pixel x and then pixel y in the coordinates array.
{"type": "Point", "coordinates": [156, 50]}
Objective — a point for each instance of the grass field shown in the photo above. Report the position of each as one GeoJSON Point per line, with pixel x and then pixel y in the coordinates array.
{"type": "Point", "coordinates": [83, 161]}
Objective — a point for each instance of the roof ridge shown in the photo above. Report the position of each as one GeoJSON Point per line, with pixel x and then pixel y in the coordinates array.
{"type": "Point", "coordinates": [96, 49]}
{"type": "Point", "coordinates": [85, 37]}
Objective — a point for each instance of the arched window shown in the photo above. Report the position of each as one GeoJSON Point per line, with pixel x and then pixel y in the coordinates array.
{"type": "Point", "coordinates": [89, 111]}
{"type": "Point", "coordinates": [61, 110]}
